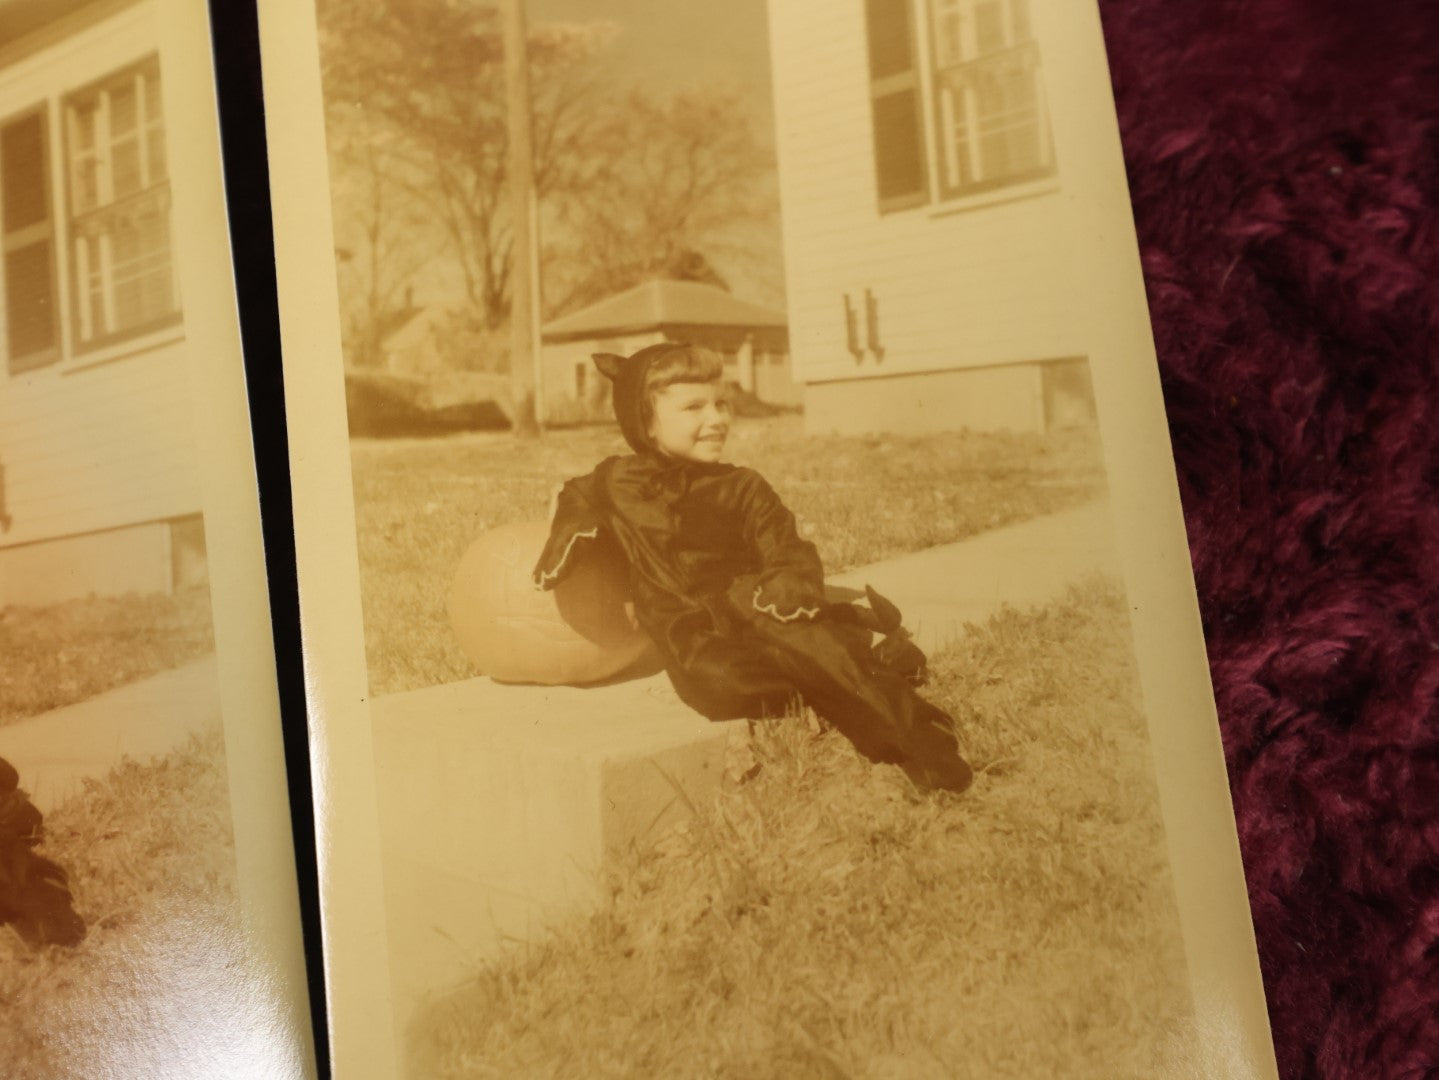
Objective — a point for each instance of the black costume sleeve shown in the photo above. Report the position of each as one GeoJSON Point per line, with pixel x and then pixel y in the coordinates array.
{"type": "Point", "coordinates": [575, 522]}
{"type": "Point", "coordinates": [791, 582]}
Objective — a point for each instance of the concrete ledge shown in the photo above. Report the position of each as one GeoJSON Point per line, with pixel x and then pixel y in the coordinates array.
{"type": "Point", "coordinates": [499, 805]}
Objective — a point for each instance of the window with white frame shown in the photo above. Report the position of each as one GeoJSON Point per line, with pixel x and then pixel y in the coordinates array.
{"type": "Point", "coordinates": [981, 81]}
{"type": "Point", "coordinates": [992, 128]}
{"type": "Point", "coordinates": [119, 194]}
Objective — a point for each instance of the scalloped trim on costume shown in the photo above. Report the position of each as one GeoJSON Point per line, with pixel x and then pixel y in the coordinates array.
{"type": "Point", "coordinates": [543, 578]}
{"type": "Point", "coordinates": [772, 610]}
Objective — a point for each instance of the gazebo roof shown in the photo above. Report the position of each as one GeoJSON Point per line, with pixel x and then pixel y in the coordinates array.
{"type": "Point", "coordinates": [662, 303]}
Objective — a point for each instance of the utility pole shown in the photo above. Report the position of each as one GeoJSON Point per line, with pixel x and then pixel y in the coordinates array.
{"type": "Point", "coordinates": [525, 367]}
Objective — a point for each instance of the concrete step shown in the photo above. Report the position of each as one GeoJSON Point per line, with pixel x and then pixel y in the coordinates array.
{"type": "Point", "coordinates": [499, 804]}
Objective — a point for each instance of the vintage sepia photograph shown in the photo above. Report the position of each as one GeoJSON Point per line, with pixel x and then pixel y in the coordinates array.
{"type": "Point", "coordinates": [723, 624]}
{"type": "Point", "coordinates": [130, 944]}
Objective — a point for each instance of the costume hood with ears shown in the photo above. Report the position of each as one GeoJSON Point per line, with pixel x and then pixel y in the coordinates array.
{"type": "Point", "coordinates": [627, 373]}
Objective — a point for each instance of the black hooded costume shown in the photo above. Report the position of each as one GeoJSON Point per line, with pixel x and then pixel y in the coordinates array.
{"type": "Point", "coordinates": [34, 891]}
{"type": "Point", "coordinates": [734, 597]}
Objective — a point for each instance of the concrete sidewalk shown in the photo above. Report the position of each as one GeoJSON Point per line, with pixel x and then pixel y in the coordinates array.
{"type": "Point", "coordinates": [500, 804]}
{"type": "Point", "coordinates": [1024, 565]}
{"type": "Point", "coordinates": [56, 750]}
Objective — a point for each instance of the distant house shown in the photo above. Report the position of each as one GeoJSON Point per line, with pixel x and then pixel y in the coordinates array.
{"type": "Point", "coordinates": [927, 238]}
{"type": "Point", "coordinates": [98, 485]}
{"type": "Point", "coordinates": [753, 340]}
{"type": "Point", "coordinates": [411, 341]}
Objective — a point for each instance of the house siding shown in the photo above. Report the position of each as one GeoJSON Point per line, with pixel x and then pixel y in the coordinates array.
{"type": "Point", "coordinates": [968, 285]}
{"type": "Point", "coordinates": [97, 444]}
{"type": "Point", "coordinates": [97, 448]}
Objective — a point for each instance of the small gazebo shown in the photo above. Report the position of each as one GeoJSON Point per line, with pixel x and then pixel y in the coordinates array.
{"type": "Point", "coordinates": [754, 341]}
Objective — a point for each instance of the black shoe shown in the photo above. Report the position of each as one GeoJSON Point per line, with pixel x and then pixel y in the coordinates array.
{"type": "Point", "coordinates": [945, 774]}
{"type": "Point", "coordinates": [932, 758]}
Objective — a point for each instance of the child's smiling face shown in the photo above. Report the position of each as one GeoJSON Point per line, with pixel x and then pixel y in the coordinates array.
{"type": "Point", "coordinates": [691, 420]}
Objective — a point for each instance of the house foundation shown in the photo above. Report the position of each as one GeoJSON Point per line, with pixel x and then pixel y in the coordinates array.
{"type": "Point", "coordinates": [1029, 397]}
{"type": "Point", "coordinates": [153, 557]}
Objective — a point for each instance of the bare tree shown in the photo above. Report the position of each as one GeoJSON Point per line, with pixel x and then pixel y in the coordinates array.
{"type": "Point", "coordinates": [632, 187]}
{"type": "Point", "coordinates": [380, 235]}
{"type": "Point", "coordinates": [668, 184]}
{"type": "Point", "coordinates": [431, 73]}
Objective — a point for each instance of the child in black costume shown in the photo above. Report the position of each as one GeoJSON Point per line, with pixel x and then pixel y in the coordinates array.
{"type": "Point", "coordinates": [732, 596]}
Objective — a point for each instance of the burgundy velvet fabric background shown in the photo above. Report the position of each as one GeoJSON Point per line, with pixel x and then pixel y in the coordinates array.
{"type": "Point", "coordinates": [1283, 158]}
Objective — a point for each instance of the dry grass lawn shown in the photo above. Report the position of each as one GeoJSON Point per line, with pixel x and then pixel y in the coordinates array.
{"type": "Point", "coordinates": [420, 503]}
{"type": "Point", "coordinates": [150, 856]}
{"type": "Point", "coordinates": [63, 653]}
{"type": "Point", "coordinates": [824, 920]}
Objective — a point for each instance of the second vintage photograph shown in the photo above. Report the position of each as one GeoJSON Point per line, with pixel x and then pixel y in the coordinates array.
{"type": "Point", "coordinates": [711, 430]}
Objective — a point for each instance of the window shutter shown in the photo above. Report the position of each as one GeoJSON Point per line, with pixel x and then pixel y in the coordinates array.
{"type": "Point", "coordinates": [899, 163]}
{"type": "Point", "coordinates": [31, 326]}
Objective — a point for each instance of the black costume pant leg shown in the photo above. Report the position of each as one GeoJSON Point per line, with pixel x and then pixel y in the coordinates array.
{"type": "Point", "coordinates": [727, 678]}
{"type": "Point", "coordinates": [836, 673]}
{"type": "Point", "coordinates": [756, 665]}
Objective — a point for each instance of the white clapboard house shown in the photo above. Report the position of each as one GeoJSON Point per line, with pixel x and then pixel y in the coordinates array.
{"type": "Point", "coordinates": [98, 485]}
{"type": "Point", "coordinates": [923, 208]}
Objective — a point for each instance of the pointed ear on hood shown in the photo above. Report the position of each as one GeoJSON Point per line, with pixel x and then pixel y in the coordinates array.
{"type": "Point", "coordinates": [609, 364]}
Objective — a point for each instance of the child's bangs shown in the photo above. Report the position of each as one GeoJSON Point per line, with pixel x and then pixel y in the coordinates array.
{"type": "Point", "coordinates": [685, 364]}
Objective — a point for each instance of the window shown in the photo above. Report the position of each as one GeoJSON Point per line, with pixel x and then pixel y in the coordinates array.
{"type": "Point", "coordinates": [985, 98]}
{"type": "Point", "coordinates": [895, 105]}
{"type": "Point", "coordinates": [991, 124]}
{"type": "Point", "coordinates": [31, 331]}
{"type": "Point", "coordinates": [119, 195]}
